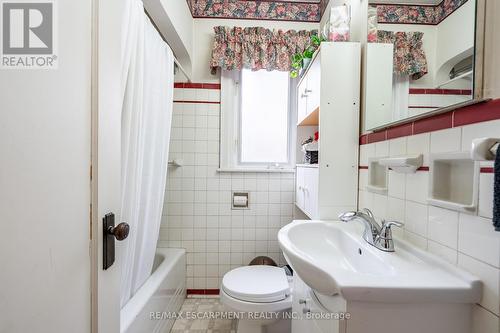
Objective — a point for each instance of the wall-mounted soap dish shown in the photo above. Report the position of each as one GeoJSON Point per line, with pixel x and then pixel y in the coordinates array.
{"type": "Point", "coordinates": [403, 164]}
{"type": "Point", "coordinates": [454, 182]}
{"type": "Point", "coordinates": [176, 162]}
{"type": "Point", "coordinates": [484, 149]}
{"type": "Point", "coordinates": [377, 176]}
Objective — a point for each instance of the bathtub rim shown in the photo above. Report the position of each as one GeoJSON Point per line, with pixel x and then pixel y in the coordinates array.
{"type": "Point", "coordinates": [134, 306]}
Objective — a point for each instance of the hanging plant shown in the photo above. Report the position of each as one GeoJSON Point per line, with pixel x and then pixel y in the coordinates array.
{"type": "Point", "coordinates": [302, 60]}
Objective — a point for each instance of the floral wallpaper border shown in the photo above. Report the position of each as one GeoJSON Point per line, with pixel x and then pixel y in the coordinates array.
{"type": "Point", "coordinates": [312, 12]}
{"type": "Point", "coordinates": [256, 10]}
{"type": "Point", "coordinates": [408, 14]}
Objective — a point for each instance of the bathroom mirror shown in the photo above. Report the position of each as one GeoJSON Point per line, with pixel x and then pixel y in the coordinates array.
{"type": "Point", "coordinates": [422, 56]}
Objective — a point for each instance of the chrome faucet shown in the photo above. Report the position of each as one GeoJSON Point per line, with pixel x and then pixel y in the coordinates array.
{"type": "Point", "coordinates": [374, 234]}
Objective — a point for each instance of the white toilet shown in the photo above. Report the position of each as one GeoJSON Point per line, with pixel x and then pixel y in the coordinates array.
{"type": "Point", "coordinates": [261, 295]}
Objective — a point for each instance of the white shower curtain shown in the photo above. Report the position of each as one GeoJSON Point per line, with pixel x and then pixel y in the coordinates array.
{"type": "Point", "coordinates": [148, 74]}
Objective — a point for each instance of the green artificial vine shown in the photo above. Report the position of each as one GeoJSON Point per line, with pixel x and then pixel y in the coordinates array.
{"type": "Point", "coordinates": [300, 59]}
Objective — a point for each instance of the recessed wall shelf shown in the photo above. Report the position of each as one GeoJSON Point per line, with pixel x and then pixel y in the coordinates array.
{"type": "Point", "coordinates": [403, 164]}
{"type": "Point", "coordinates": [464, 75]}
{"type": "Point", "coordinates": [377, 176]}
{"type": "Point", "coordinates": [454, 182]}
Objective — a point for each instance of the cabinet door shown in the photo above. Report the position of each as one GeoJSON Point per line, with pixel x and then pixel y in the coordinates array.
{"type": "Point", "coordinates": [299, 188]}
{"type": "Point", "coordinates": [320, 322]}
{"type": "Point", "coordinates": [302, 100]}
{"type": "Point", "coordinates": [299, 324]}
{"type": "Point", "coordinates": [308, 311]}
{"type": "Point", "coordinates": [313, 90]}
{"type": "Point", "coordinates": [311, 188]}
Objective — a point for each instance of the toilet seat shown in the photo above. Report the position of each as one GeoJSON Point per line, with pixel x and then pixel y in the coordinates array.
{"type": "Point", "coordinates": [256, 284]}
{"type": "Point", "coordinates": [244, 306]}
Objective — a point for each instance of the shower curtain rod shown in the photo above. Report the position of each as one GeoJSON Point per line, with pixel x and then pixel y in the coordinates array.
{"type": "Point", "coordinates": [176, 62]}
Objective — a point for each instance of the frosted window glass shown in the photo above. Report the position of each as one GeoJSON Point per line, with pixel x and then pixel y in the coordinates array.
{"type": "Point", "coordinates": [264, 117]}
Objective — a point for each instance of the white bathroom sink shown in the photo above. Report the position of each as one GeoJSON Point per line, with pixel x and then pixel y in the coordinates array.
{"type": "Point", "coordinates": [333, 258]}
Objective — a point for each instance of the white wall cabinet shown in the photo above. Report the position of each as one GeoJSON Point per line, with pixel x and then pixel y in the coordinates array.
{"type": "Point", "coordinates": [313, 85]}
{"type": "Point", "coordinates": [309, 91]}
{"type": "Point", "coordinates": [302, 101]}
{"type": "Point", "coordinates": [329, 100]}
{"type": "Point", "coordinates": [307, 189]}
{"type": "Point", "coordinates": [299, 188]}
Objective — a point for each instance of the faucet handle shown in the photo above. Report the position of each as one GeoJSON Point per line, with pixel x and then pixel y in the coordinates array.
{"type": "Point", "coordinates": [368, 212]}
{"type": "Point", "coordinates": [347, 216]}
{"type": "Point", "coordinates": [389, 224]}
{"type": "Point", "coordinates": [384, 239]}
{"type": "Point", "coordinates": [386, 231]}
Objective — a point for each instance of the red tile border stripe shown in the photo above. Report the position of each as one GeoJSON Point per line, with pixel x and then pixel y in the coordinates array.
{"type": "Point", "coordinates": [432, 124]}
{"type": "Point", "coordinates": [192, 85]}
{"type": "Point", "coordinates": [422, 168]}
{"type": "Point", "coordinates": [426, 168]}
{"type": "Point", "coordinates": [477, 113]}
{"type": "Point", "coordinates": [400, 131]}
{"type": "Point", "coordinates": [425, 91]}
{"type": "Point", "coordinates": [203, 291]}
{"type": "Point", "coordinates": [363, 139]}
{"type": "Point", "coordinates": [481, 112]}
{"type": "Point", "coordinates": [377, 136]}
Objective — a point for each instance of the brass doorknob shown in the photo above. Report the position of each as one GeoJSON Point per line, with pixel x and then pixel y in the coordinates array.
{"type": "Point", "coordinates": [120, 231]}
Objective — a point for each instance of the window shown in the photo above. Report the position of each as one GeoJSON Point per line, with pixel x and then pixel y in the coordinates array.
{"type": "Point", "coordinates": [256, 119]}
{"type": "Point", "coordinates": [264, 117]}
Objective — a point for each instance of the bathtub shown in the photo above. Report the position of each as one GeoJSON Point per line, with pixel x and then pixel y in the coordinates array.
{"type": "Point", "coordinates": [161, 294]}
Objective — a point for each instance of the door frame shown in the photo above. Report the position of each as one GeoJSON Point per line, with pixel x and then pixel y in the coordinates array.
{"type": "Point", "coordinates": [105, 170]}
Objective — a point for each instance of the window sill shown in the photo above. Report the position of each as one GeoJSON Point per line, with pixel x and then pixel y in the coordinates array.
{"type": "Point", "coordinates": [256, 170]}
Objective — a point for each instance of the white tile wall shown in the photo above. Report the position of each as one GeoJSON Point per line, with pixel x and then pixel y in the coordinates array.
{"type": "Point", "coordinates": [468, 241]}
{"type": "Point", "coordinates": [436, 100]}
{"type": "Point", "coordinates": [197, 212]}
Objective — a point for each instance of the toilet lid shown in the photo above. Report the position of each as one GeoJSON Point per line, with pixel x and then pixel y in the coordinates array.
{"type": "Point", "coordinates": [259, 284]}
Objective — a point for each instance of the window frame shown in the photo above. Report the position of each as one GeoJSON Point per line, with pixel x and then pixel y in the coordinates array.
{"type": "Point", "coordinates": [230, 128]}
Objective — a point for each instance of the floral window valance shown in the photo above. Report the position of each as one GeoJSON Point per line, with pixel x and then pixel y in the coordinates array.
{"type": "Point", "coordinates": [256, 48]}
{"type": "Point", "coordinates": [409, 55]}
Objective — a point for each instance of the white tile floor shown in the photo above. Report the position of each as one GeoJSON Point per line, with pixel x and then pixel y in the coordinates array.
{"type": "Point", "coordinates": [202, 308]}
